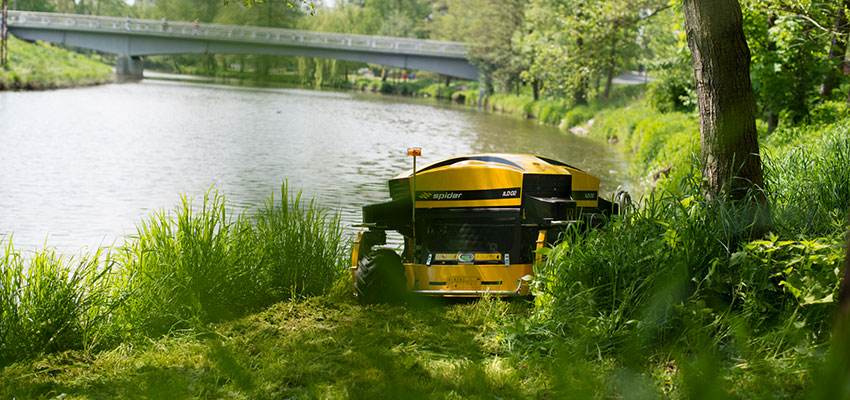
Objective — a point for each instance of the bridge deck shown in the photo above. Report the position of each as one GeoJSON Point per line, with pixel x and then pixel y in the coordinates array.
{"type": "Point", "coordinates": [239, 34]}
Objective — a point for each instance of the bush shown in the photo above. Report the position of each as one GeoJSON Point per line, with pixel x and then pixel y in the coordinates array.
{"type": "Point", "coordinates": [438, 90]}
{"type": "Point", "coordinates": [386, 87]}
{"type": "Point", "coordinates": [577, 116]}
{"type": "Point", "coordinates": [667, 96]}
{"type": "Point", "coordinates": [828, 112]}
{"type": "Point", "coordinates": [681, 270]}
{"type": "Point", "coordinates": [552, 112]}
{"type": "Point", "coordinates": [664, 145]}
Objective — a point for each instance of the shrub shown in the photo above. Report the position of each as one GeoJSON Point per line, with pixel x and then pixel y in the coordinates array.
{"type": "Point", "coordinates": [577, 116]}
{"type": "Point", "coordinates": [552, 112]}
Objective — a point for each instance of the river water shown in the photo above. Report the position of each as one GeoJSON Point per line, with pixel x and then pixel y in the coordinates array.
{"type": "Point", "coordinates": [80, 167]}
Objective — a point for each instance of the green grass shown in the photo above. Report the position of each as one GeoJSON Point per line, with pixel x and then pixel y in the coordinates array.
{"type": "Point", "coordinates": [43, 66]}
{"type": "Point", "coordinates": [312, 348]}
{"type": "Point", "coordinates": [183, 269]}
{"type": "Point", "coordinates": [51, 302]}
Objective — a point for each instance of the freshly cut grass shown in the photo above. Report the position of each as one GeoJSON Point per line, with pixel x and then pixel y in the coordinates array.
{"type": "Point", "coordinates": [319, 347]}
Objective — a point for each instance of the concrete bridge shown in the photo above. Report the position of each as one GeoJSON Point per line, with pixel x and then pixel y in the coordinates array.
{"type": "Point", "coordinates": [138, 38]}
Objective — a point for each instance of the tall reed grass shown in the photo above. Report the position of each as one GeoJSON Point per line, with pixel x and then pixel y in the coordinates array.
{"type": "Point", "coordinates": [810, 184]}
{"type": "Point", "coordinates": [182, 268]}
{"type": "Point", "coordinates": [51, 302]}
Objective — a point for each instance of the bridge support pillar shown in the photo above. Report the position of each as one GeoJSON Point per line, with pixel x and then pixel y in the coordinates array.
{"type": "Point", "coordinates": [129, 67]}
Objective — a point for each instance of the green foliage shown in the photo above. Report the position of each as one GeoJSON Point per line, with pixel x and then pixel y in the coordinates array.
{"type": "Point", "coordinates": [663, 145]}
{"type": "Point", "coordinates": [807, 269]}
{"type": "Point", "coordinates": [668, 59]}
{"type": "Point", "coordinates": [576, 44]}
{"type": "Point", "coordinates": [662, 283]}
{"type": "Point", "coordinates": [551, 112]}
{"type": "Point", "coordinates": [404, 18]}
{"type": "Point", "coordinates": [789, 53]}
{"type": "Point", "coordinates": [668, 95]}
{"type": "Point", "coordinates": [523, 106]}
{"type": "Point", "coordinates": [497, 26]}
{"type": "Point", "coordinates": [187, 269]}
{"type": "Point", "coordinates": [682, 280]}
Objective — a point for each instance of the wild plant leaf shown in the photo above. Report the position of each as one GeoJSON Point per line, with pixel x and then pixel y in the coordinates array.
{"type": "Point", "coordinates": [810, 299]}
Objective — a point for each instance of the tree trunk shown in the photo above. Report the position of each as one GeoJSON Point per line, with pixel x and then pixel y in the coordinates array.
{"type": "Point", "coordinates": [580, 93]}
{"type": "Point", "coordinates": [609, 80]}
{"type": "Point", "coordinates": [609, 76]}
{"type": "Point", "coordinates": [518, 80]}
{"type": "Point", "coordinates": [4, 33]}
{"type": "Point", "coordinates": [770, 107]}
{"type": "Point", "coordinates": [535, 88]}
{"type": "Point", "coordinates": [836, 51]}
{"type": "Point", "coordinates": [721, 62]}
{"type": "Point", "coordinates": [597, 82]}
{"type": "Point", "coordinates": [772, 121]}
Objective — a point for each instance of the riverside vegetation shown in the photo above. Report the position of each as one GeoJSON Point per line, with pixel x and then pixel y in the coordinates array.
{"type": "Point", "coordinates": [676, 299]}
{"type": "Point", "coordinates": [685, 297]}
{"type": "Point", "coordinates": [38, 66]}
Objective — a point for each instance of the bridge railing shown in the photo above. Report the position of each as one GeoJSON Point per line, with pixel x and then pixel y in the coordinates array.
{"type": "Point", "coordinates": [236, 33]}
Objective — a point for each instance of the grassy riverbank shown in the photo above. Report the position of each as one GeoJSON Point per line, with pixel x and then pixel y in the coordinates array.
{"type": "Point", "coordinates": [683, 298]}
{"type": "Point", "coordinates": [38, 66]}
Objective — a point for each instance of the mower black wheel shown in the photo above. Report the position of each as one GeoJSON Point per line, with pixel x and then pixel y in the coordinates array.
{"type": "Point", "coordinates": [380, 278]}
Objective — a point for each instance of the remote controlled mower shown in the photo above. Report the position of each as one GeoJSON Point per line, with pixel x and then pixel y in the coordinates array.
{"type": "Point", "coordinates": [471, 225]}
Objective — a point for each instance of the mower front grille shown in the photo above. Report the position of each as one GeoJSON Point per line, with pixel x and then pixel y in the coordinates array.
{"type": "Point", "coordinates": [542, 185]}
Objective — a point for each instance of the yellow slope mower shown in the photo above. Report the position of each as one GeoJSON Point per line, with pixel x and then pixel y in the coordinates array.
{"type": "Point", "coordinates": [474, 225]}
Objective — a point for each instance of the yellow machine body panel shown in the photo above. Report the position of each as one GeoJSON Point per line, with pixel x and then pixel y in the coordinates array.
{"type": "Point", "coordinates": [473, 184]}
{"type": "Point", "coordinates": [469, 279]}
{"type": "Point", "coordinates": [490, 180]}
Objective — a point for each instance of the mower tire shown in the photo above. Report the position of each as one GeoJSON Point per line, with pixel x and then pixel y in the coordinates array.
{"type": "Point", "coordinates": [380, 278]}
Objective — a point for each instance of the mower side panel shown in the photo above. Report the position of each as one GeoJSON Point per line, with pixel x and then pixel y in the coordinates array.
{"type": "Point", "coordinates": [468, 279]}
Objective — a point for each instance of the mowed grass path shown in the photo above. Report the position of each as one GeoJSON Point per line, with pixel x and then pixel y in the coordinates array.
{"type": "Point", "coordinates": [324, 347]}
